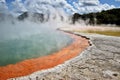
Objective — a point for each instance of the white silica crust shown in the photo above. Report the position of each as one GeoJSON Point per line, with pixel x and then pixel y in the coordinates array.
{"type": "Point", "coordinates": [100, 61]}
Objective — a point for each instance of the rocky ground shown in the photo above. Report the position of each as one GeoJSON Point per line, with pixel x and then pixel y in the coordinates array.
{"type": "Point", "coordinates": [100, 61]}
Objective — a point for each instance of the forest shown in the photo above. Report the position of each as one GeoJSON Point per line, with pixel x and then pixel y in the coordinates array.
{"type": "Point", "coordinates": [104, 17]}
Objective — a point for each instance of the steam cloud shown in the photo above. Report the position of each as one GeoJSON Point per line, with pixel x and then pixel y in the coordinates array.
{"type": "Point", "coordinates": [20, 40]}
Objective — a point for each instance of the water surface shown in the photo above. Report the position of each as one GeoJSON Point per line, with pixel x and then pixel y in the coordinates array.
{"type": "Point", "coordinates": [27, 42]}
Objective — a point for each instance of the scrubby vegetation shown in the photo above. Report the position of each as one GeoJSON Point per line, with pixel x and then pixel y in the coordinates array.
{"type": "Point", "coordinates": [105, 17]}
{"type": "Point", "coordinates": [106, 32]}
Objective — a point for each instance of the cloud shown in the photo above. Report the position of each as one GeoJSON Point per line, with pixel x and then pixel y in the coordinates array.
{"type": "Point", "coordinates": [48, 6]}
{"type": "Point", "coordinates": [87, 6]}
{"type": "Point", "coordinates": [54, 6]}
{"type": "Point", "coordinates": [3, 6]}
{"type": "Point", "coordinates": [2, 1]}
{"type": "Point", "coordinates": [18, 6]}
{"type": "Point", "coordinates": [89, 2]}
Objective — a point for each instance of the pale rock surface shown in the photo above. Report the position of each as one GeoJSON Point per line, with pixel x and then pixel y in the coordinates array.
{"type": "Point", "coordinates": [100, 61]}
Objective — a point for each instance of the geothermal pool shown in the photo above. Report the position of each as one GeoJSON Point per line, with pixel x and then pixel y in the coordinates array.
{"type": "Point", "coordinates": [20, 41]}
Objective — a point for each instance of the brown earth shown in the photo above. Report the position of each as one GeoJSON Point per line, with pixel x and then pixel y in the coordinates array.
{"type": "Point", "coordinates": [32, 65]}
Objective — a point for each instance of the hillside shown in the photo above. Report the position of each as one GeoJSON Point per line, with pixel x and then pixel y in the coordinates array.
{"type": "Point", "coordinates": [105, 17]}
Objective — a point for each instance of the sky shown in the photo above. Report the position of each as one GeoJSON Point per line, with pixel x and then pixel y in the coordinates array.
{"type": "Point", "coordinates": [70, 6]}
{"type": "Point", "coordinates": [110, 2]}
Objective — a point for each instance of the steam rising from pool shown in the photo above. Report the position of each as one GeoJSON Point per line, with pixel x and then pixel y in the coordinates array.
{"type": "Point", "coordinates": [26, 40]}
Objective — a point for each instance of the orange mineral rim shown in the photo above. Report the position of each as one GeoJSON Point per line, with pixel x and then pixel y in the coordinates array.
{"type": "Point", "coordinates": [27, 67]}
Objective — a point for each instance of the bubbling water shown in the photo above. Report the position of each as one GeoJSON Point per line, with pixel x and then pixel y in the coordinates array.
{"type": "Point", "coordinates": [26, 40]}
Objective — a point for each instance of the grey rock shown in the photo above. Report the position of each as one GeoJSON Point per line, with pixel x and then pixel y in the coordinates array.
{"type": "Point", "coordinates": [101, 61]}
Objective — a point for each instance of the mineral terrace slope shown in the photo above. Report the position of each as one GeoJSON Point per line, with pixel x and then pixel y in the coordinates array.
{"type": "Point", "coordinates": [100, 61]}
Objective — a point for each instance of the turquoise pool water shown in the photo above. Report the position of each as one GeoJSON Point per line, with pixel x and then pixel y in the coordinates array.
{"type": "Point", "coordinates": [17, 44]}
